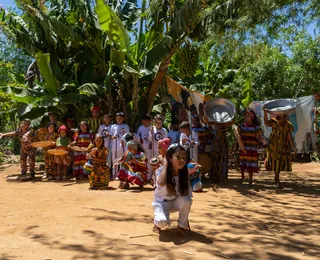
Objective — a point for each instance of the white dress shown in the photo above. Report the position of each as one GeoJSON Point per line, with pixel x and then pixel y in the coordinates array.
{"type": "Point", "coordinates": [187, 145]}
{"type": "Point", "coordinates": [154, 136]}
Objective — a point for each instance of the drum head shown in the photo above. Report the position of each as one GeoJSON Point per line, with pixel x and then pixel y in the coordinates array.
{"type": "Point", "coordinates": [78, 149]}
{"type": "Point", "coordinates": [58, 152]}
{"type": "Point", "coordinates": [42, 144]}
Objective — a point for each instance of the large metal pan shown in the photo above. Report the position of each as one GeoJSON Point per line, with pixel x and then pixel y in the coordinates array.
{"type": "Point", "coordinates": [219, 111]}
{"type": "Point", "coordinates": [281, 106]}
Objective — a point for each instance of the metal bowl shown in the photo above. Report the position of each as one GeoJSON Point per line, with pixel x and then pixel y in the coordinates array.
{"type": "Point", "coordinates": [220, 111]}
{"type": "Point", "coordinates": [281, 106]}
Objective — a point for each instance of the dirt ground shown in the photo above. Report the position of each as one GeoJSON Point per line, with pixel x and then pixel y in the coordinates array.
{"type": "Point", "coordinates": [50, 220]}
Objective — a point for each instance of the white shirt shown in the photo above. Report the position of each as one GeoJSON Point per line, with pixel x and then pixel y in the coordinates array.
{"type": "Point", "coordinates": [143, 135]}
{"type": "Point", "coordinates": [193, 149]}
{"type": "Point", "coordinates": [118, 131]}
{"type": "Point", "coordinates": [161, 192]}
{"type": "Point", "coordinates": [156, 135]}
{"type": "Point", "coordinates": [104, 131]}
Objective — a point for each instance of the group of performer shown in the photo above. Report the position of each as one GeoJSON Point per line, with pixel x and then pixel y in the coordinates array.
{"type": "Point", "coordinates": [101, 151]}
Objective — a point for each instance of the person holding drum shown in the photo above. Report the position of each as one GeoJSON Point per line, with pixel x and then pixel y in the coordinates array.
{"type": "Point", "coordinates": [280, 145]}
{"type": "Point", "coordinates": [62, 162]}
{"type": "Point", "coordinates": [173, 192]}
{"type": "Point", "coordinates": [51, 136]}
{"type": "Point", "coordinates": [26, 137]}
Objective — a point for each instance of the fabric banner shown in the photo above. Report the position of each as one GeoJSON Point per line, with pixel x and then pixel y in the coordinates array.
{"type": "Point", "coordinates": [302, 120]}
{"type": "Point", "coordinates": [185, 96]}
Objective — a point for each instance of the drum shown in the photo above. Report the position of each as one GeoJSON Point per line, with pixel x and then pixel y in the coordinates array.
{"type": "Point", "coordinates": [88, 167]}
{"type": "Point", "coordinates": [78, 149]}
{"type": "Point", "coordinates": [42, 144]}
{"type": "Point", "coordinates": [206, 163]}
{"type": "Point", "coordinates": [57, 152]}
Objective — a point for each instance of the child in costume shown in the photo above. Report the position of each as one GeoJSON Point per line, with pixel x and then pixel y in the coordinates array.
{"type": "Point", "coordinates": [250, 133]}
{"type": "Point", "coordinates": [27, 152]}
{"type": "Point", "coordinates": [104, 131]}
{"type": "Point", "coordinates": [62, 162]}
{"type": "Point", "coordinates": [118, 146]}
{"type": "Point", "coordinates": [99, 174]}
{"type": "Point", "coordinates": [143, 137]}
{"type": "Point", "coordinates": [95, 121]}
{"type": "Point", "coordinates": [82, 139]}
{"type": "Point", "coordinates": [156, 134]}
{"type": "Point", "coordinates": [189, 141]}
{"type": "Point", "coordinates": [133, 166]}
{"type": "Point", "coordinates": [51, 136]}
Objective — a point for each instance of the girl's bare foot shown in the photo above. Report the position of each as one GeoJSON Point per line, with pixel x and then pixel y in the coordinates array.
{"type": "Point", "coordinates": [156, 229]}
{"type": "Point", "coordinates": [183, 231]}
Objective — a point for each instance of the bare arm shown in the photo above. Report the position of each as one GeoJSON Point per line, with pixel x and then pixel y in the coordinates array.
{"type": "Point", "coordinates": [289, 136]}
{"type": "Point", "coordinates": [7, 134]}
{"type": "Point", "coordinates": [162, 179]}
{"type": "Point", "coordinates": [266, 121]}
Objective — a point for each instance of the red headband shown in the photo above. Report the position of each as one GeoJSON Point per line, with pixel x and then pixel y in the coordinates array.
{"type": "Point", "coordinates": [95, 108]}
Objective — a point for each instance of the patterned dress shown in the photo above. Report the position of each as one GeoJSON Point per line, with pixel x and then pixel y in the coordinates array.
{"type": "Point", "coordinates": [134, 168]}
{"type": "Point", "coordinates": [82, 140]}
{"type": "Point", "coordinates": [249, 136]}
{"type": "Point", "coordinates": [26, 139]}
{"type": "Point", "coordinates": [100, 176]}
{"type": "Point", "coordinates": [48, 158]}
{"type": "Point", "coordinates": [279, 151]}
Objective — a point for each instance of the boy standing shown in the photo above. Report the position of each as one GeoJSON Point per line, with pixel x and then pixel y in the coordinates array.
{"type": "Point", "coordinates": [156, 134]}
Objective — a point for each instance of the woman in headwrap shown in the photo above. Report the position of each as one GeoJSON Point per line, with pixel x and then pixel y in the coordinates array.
{"type": "Point", "coordinates": [133, 166]}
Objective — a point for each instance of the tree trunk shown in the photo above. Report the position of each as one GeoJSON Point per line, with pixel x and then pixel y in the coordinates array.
{"type": "Point", "coordinates": [135, 101]}
{"type": "Point", "coordinates": [157, 81]}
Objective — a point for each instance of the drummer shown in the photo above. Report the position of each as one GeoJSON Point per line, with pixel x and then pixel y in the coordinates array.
{"type": "Point", "coordinates": [48, 159]}
{"type": "Point", "coordinates": [62, 162]}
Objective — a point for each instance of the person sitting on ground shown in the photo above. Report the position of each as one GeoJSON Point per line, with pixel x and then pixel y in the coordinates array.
{"type": "Point", "coordinates": [133, 166]}
{"type": "Point", "coordinates": [173, 192]}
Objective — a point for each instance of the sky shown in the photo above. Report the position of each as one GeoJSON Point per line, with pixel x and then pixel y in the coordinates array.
{"type": "Point", "coordinates": [7, 3]}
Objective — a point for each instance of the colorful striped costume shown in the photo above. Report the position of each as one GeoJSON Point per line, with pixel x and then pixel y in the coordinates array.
{"type": "Point", "coordinates": [94, 124]}
{"type": "Point", "coordinates": [249, 136]}
{"type": "Point", "coordinates": [49, 159]}
{"type": "Point", "coordinates": [82, 140]}
{"type": "Point", "coordinates": [100, 176]}
{"type": "Point", "coordinates": [279, 151]}
{"type": "Point", "coordinates": [62, 143]}
{"type": "Point", "coordinates": [134, 168]}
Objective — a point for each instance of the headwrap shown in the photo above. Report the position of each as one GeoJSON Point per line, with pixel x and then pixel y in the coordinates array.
{"type": "Point", "coordinates": [164, 143]}
{"type": "Point", "coordinates": [63, 127]}
{"type": "Point", "coordinates": [132, 144]}
{"type": "Point", "coordinates": [95, 108]}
